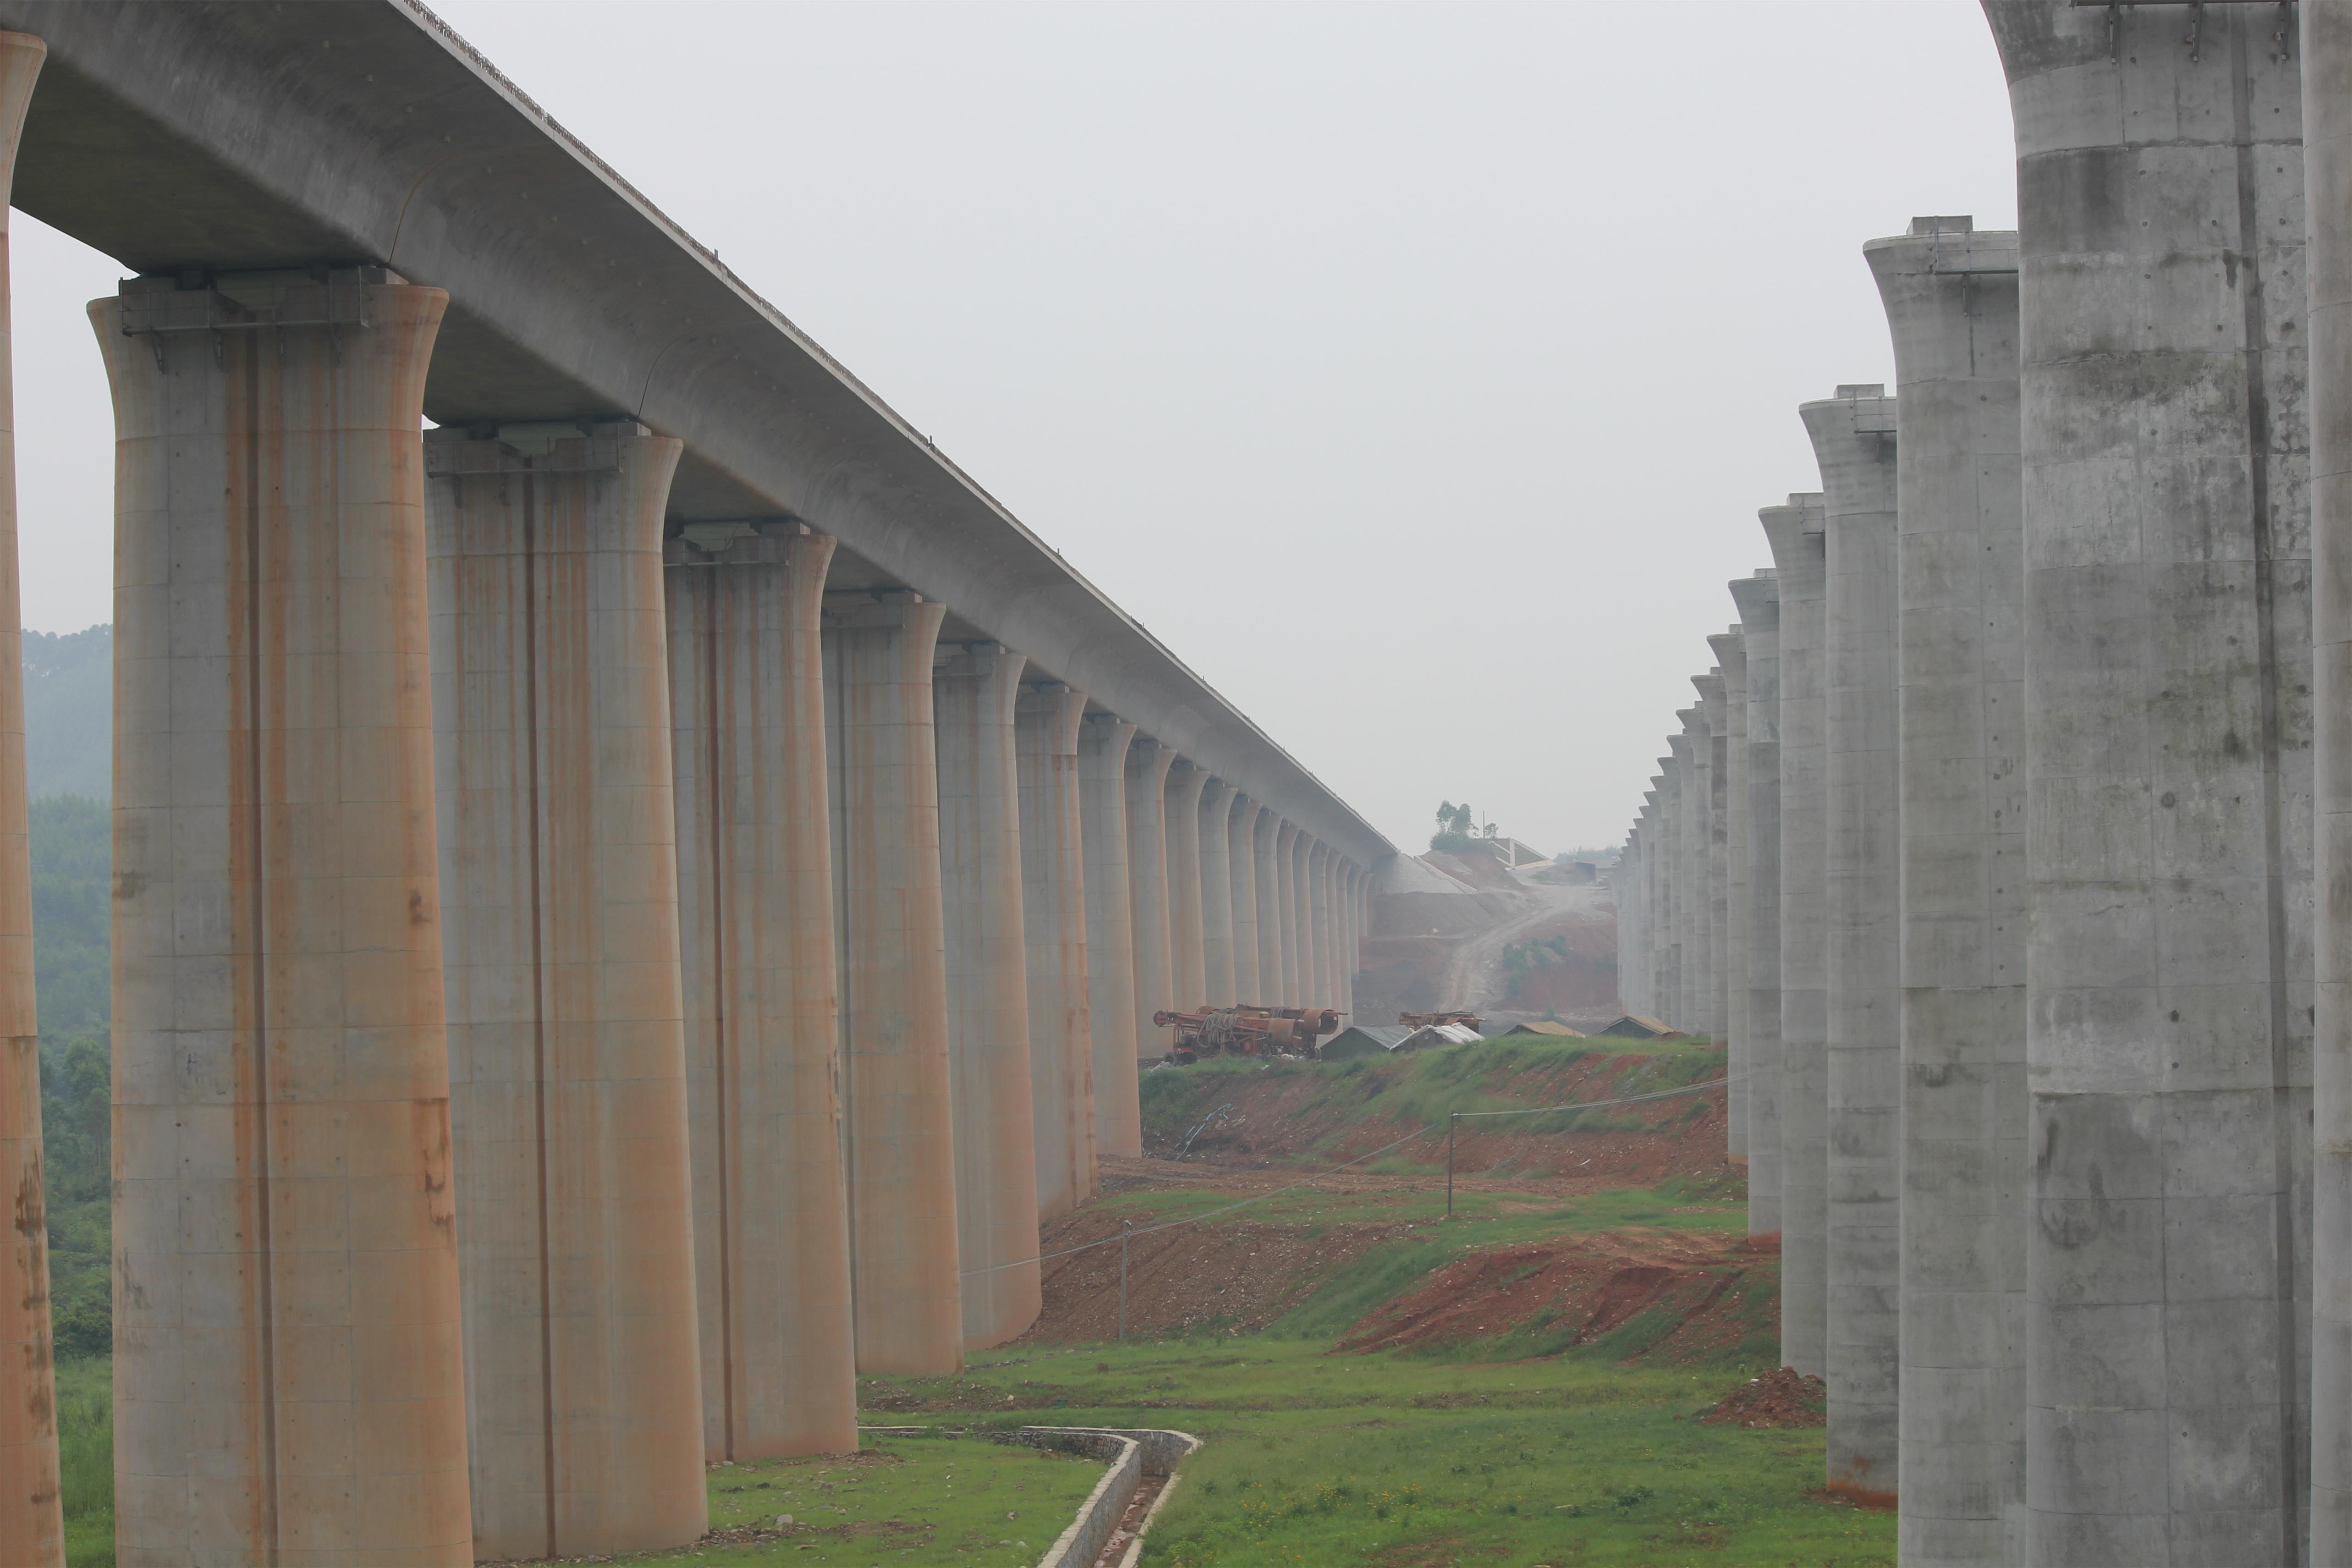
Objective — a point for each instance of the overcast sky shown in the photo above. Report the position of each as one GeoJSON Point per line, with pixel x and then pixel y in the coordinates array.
{"type": "Point", "coordinates": [1414, 372]}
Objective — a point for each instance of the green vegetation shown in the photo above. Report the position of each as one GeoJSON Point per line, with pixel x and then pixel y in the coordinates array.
{"type": "Point", "coordinates": [1453, 825]}
{"type": "Point", "coordinates": [1386, 1460]}
{"type": "Point", "coordinates": [1518, 957]}
{"type": "Point", "coordinates": [950, 1500]}
{"type": "Point", "coordinates": [72, 851]}
{"type": "Point", "coordinates": [86, 1457]}
{"type": "Point", "coordinates": [1425, 1087]}
{"type": "Point", "coordinates": [69, 712]}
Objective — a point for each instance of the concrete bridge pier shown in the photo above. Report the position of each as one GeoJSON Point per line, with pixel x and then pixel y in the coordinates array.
{"type": "Point", "coordinates": [1714, 841]}
{"type": "Point", "coordinates": [552, 750]}
{"type": "Point", "coordinates": [1217, 891]}
{"type": "Point", "coordinates": [1855, 442]}
{"type": "Point", "coordinates": [1759, 600]}
{"type": "Point", "coordinates": [288, 1365]}
{"type": "Point", "coordinates": [2169, 730]}
{"type": "Point", "coordinates": [1241, 860]}
{"type": "Point", "coordinates": [29, 1514]}
{"type": "Point", "coordinates": [1322, 988]}
{"type": "Point", "coordinates": [888, 919]}
{"type": "Point", "coordinates": [1672, 875]}
{"type": "Point", "coordinates": [974, 690]}
{"type": "Point", "coordinates": [1188, 968]}
{"type": "Point", "coordinates": [1302, 916]}
{"type": "Point", "coordinates": [1285, 891]}
{"type": "Point", "coordinates": [1800, 573]}
{"type": "Point", "coordinates": [1690, 787]}
{"type": "Point", "coordinates": [1148, 765]}
{"type": "Point", "coordinates": [1731, 770]}
{"type": "Point", "coordinates": [1951, 304]}
{"type": "Point", "coordinates": [2326, 54]}
{"type": "Point", "coordinates": [1111, 964]}
{"type": "Point", "coordinates": [755, 906]}
{"type": "Point", "coordinates": [1266, 873]}
{"type": "Point", "coordinates": [1048, 721]}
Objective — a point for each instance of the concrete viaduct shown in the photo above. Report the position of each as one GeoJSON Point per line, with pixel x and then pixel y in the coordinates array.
{"type": "Point", "coordinates": [2008, 846]}
{"type": "Point", "coordinates": [632, 905]}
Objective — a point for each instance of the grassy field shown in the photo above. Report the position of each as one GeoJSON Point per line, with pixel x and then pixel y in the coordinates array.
{"type": "Point", "coordinates": [86, 1459]}
{"type": "Point", "coordinates": [1413, 1461]}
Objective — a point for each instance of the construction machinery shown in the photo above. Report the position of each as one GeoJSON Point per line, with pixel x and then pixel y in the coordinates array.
{"type": "Point", "coordinates": [1246, 1031]}
{"type": "Point", "coordinates": [1423, 1020]}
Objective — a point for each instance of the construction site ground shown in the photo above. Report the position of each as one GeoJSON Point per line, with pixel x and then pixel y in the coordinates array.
{"type": "Point", "coordinates": [1522, 1385]}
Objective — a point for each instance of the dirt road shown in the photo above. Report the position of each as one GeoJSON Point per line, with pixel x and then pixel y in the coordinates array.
{"type": "Point", "coordinates": [1475, 972]}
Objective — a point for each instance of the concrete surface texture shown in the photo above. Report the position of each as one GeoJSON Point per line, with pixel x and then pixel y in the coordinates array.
{"type": "Point", "coordinates": [1265, 872]}
{"type": "Point", "coordinates": [1241, 863]}
{"type": "Point", "coordinates": [2168, 814]}
{"type": "Point", "coordinates": [1674, 873]}
{"type": "Point", "coordinates": [1111, 998]}
{"type": "Point", "coordinates": [974, 690]}
{"type": "Point", "coordinates": [1698, 881]}
{"type": "Point", "coordinates": [559, 928]}
{"type": "Point", "coordinates": [1326, 990]}
{"type": "Point", "coordinates": [1302, 918]}
{"type": "Point", "coordinates": [1188, 964]}
{"type": "Point", "coordinates": [283, 1213]}
{"type": "Point", "coordinates": [1759, 601]}
{"type": "Point", "coordinates": [1213, 830]}
{"type": "Point", "coordinates": [1950, 295]}
{"type": "Point", "coordinates": [1731, 773]}
{"type": "Point", "coordinates": [756, 963]}
{"type": "Point", "coordinates": [2326, 58]}
{"type": "Point", "coordinates": [890, 945]}
{"type": "Point", "coordinates": [1800, 569]}
{"type": "Point", "coordinates": [1716, 851]}
{"type": "Point", "coordinates": [29, 1516]}
{"type": "Point", "coordinates": [1855, 442]}
{"type": "Point", "coordinates": [1682, 889]}
{"type": "Point", "coordinates": [1286, 891]}
{"type": "Point", "coordinates": [1148, 763]}
{"type": "Point", "coordinates": [1047, 719]}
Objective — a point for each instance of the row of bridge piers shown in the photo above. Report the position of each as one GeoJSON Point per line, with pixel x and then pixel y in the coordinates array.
{"type": "Point", "coordinates": [584, 990]}
{"type": "Point", "coordinates": [2008, 844]}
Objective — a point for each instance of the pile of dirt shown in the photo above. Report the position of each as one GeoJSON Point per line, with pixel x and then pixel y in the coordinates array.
{"type": "Point", "coordinates": [1240, 1276]}
{"type": "Point", "coordinates": [1298, 1117]}
{"type": "Point", "coordinates": [1782, 1397]}
{"type": "Point", "coordinates": [1654, 1296]}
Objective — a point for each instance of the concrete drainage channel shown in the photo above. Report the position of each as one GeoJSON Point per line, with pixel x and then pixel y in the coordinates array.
{"type": "Point", "coordinates": [1108, 1530]}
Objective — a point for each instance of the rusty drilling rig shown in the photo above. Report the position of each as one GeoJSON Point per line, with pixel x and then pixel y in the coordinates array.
{"type": "Point", "coordinates": [1244, 1031]}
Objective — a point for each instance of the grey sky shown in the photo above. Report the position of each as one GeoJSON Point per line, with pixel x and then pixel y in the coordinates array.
{"type": "Point", "coordinates": [1414, 373]}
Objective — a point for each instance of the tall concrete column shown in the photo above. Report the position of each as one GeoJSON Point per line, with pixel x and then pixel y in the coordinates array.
{"type": "Point", "coordinates": [1685, 784]}
{"type": "Point", "coordinates": [1148, 762]}
{"type": "Point", "coordinates": [2327, 51]}
{"type": "Point", "coordinates": [1731, 774]}
{"type": "Point", "coordinates": [1241, 857]}
{"type": "Point", "coordinates": [1188, 965]}
{"type": "Point", "coordinates": [1799, 570]}
{"type": "Point", "coordinates": [1217, 891]}
{"type": "Point", "coordinates": [1633, 919]}
{"type": "Point", "coordinates": [974, 688]}
{"type": "Point", "coordinates": [1854, 441]}
{"type": "Point", "coordinates": [1670, 875]}
{"type": "Point", "coordinates": [1351, 957]}
{"type": "Point", "coordinates": [1714, 842]}
{"type": "Point", "coordinates": [1267, 874]}
{"type": "Point", "coordinates": [1318, 925]}
{"type": "Point", "coordinates": [29, 1514]}
{"type": "Point", "coordinates": [890, 937]}
{"type": "Point", "coordinates": [559, 951]}
{"type": "Point", "coordinates": [2168, 823]}
{"type": "Point", "coordinates": [1286, 845]}
{"type": "Point", "coordinates": [1951, 303]}
{"type": "Point", "coordinates": [762, 1029]}
{"type": "Point", "coordinates": [1758, 598]}
{"type": "Point", "coordinates": [1111, 988]}
{"type": "Point", "coordinates": [1654, 856]}
{"type": "Point", "coordinates": [1053, 920]}
{"type": "Point", "coordinates": [1302, 914]}
{"type": "Point", "coordinates": [282, 1209]}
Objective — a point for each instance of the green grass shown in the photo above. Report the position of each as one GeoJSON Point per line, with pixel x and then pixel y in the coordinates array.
{"type": "Point", "coordinates": [1424, 1087]}
{"type": "Point", "coordinates": [86, 1459]}
{"type": "Point", "coordinates": [1319, 1459]}
{"type": "Point", "coordinates": [935, 1499]}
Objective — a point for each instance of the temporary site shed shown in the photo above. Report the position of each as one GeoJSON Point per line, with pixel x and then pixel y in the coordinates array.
{"type": "Point", "coordinates": [1363, 1040]}
{"type": "Point", "coordinates": [1549, 1028]}
{"type": "Point", "coordinates": [1633, 1026]}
